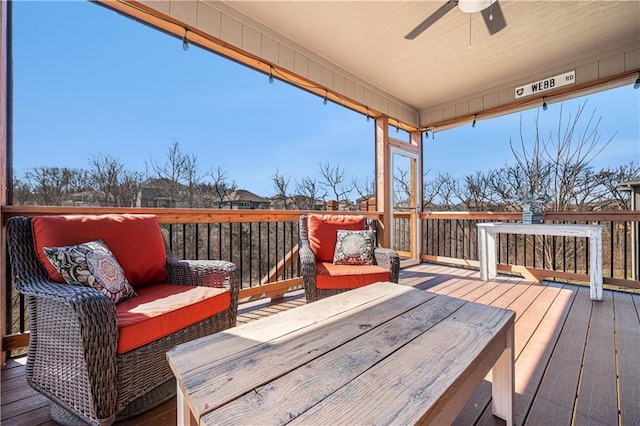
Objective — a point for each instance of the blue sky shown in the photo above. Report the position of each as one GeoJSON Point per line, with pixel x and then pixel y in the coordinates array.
{"type": "Point", "coordinates": [88, 81]}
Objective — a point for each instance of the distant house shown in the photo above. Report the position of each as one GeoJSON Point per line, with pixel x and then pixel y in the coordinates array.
{"type": "Point", "coordinates": [85, 199]}
{"type": "Point", "coordinates": [297, 202]}
{"type": "Point", "coordinates": [161, 193]}
{"type": "Point", "coordinates": [242, 199]}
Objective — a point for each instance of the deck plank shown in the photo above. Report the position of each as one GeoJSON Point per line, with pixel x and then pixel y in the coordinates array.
{"type": "Point", "coordinates": [597, 401]}
{"type": "Point", "coordinates": [556, 395]}
{"type": "Point", "coordinates": [534, 357]}
{"type": "Point", "coordinates": [540, 325]}
{"type": "Point", "coordinates": [627, 327]}
{"type": "Point", "coordinates": [507, 291]}
{"type": "Point", "coordinates": [452, 284]}
{"type": "Point", "coordinates": [530, 308]}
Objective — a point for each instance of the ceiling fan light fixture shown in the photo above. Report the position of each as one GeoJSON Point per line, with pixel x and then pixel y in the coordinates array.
{"type": "Point", "coordinates": [473, 6]}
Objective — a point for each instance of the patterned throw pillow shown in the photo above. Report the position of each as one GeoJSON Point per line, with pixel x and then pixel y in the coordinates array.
{"type": "Point", "coordinates": [91, 264]}
{"type": "Point", "coordinates": [354, 248]}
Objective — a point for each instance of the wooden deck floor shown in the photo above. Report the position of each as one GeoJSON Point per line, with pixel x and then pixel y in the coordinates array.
{"type": "Point", "coordinates": [577, 361]}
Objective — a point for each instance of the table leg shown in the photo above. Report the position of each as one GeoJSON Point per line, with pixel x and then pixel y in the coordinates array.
{"type": "Point", "coordinates": [184, 412]}
{"type": "Point", "coordinates": [595, 267]}
{"type": "Point", "coordinates": [503, 378]}
{"type": "Point", "coordinates": [482, 254]}
{"type": "Point", "coordinates": [491, 258]}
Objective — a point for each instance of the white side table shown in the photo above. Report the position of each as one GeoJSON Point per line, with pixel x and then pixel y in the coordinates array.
{"type": "Point", "coordinates": [487, 246]}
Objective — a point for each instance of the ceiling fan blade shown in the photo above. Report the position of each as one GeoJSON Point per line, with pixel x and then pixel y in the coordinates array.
{"type": "Point", "coordinates": [493, 18]}
{"type": "Point", "coordinates": [450, 4]}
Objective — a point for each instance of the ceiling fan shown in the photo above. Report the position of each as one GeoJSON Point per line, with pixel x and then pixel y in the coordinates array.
{"type": "Point", "coordinates": [490, 9]}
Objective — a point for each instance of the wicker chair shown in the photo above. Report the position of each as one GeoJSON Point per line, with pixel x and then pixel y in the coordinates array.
{"type": "Point", "coordinates": [72, 356]}
{"type": "Point", "coordinates": [384, 258]}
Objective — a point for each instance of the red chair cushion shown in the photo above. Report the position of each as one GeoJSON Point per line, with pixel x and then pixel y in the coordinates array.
{"type": "Point", "coordinates": [323, 232]}
{"type": "Point", "coordinates": [135, 241]}
{"type": "Point", "coordinates": [335, 277]}
{"type": "Point", "coordinates": [162, 309]}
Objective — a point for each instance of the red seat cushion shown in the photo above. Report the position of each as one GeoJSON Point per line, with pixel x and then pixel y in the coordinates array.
{"type": "Point", "coordinates": [323, 232]}
{"type": "Point", "coordinates": [162, 309]}
{"type": "Point", "coordinates": [135, 240]}
{"type": "Point", "coordinates": [334, 277]}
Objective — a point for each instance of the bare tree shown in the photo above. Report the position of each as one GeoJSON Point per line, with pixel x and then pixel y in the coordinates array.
{"type": "Point", "coordinates": [172, 172]}
{"type": "Point", "coordinates": [49, 184]}
{"type": "Point", "coordinates": [107, 177]}
{"type": "Point", "coordinates": [447, 190]}
{"type": "Point", "coordinates": [221, 185]}
{"type": "Point", "coordinates": [402, 188]}
{"type": "Point", "coordinates": [559, 163]}
{"type": "Point", "coordinates": [505, 182]}
{"type": "Point", "coordinates": [192, 180]}
{"type": "Point", "coordinates": [476, 192]}
{"type": "Point", "coordinates": [281, 186]}
{"type": "Point", "coordinates": [365, 187]}
{"type": "Point", "coordinates": [308, 191]}
{"type": "Point", "coordinates": [22, 194]}
{"type": "Point", "coordinates": [429, 191]}
{"type": "Point", "coordinates": [610, 178]}
{"type": "Point", "coordinates": [128, 189]}
{"type": "Point", "coordinates": [335, 182]}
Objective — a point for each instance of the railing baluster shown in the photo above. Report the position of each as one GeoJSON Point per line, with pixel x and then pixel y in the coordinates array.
{"type": "Point", "coordinates": [220, 255]}
{"type": "Point", "coordinates": [250, 254]}
{"type": "Point", "coordinates": [544, 250]}
{"type": "Point", "coordinates": [259, 251]}
{"type": "Point", "coordinates": [291, 245]}
{"type": "Point", "coordinates": [564, 254]}
{"type": "Point", "coordinates": [197, 247]}
{"type": "Point", "coordinates": [241, 252]}
{"type": "Point", "coordinates": [268, 247]}
{"type": "Point", "coordinates": [611, 257]}
{"type": "Point", "coordinates": [451, 238]}
{"type": "Point", "coordinates": [533, 250]}
{"type": "Point", "coordinates": [209, 241]}
{"type": "Point", "coordinates": [624, 245]}
{"type": "Point", "coordinates": [553, 254]}
{"type": "Point", "coordinates": [575, 254]}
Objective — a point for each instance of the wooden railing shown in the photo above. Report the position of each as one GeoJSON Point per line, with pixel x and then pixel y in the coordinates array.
{"type": "Point", "coordinates": [262, 244]}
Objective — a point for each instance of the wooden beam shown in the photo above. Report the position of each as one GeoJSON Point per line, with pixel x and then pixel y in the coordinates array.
{"type": "Point", "coordinates": [277, 270]}
{"type": "Point", "coordinates": [273, 290]}
{"type": "Point", "coordinates": [383, 179]}
{"type": "Point", "coordinates": [177, 215]}
{"type": "Point", "coordinates": [411, 147]}
{"type": "Point", "coordinates": [15, 341]}
{"type": "Point", "coordinates": [533, 101]}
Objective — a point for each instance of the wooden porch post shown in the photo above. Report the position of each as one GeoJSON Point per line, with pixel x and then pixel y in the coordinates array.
{"type": "Point", "coordinates": [6, 167]}
{"type": "Point", "coordinates": [416, 202]}
{"type": "Point", "coordinates": [383, 180]}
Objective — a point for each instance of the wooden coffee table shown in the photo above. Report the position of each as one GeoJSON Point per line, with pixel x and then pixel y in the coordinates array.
{"type": "Point", "coordinates": [380, 354]}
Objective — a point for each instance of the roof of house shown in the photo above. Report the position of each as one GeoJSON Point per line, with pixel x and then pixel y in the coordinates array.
{"type": "Point", "coordinates": [244, 195]}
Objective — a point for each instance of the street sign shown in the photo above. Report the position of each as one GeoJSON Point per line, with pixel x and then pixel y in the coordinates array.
{"type": "Point", "coordinates": [546, 84]}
